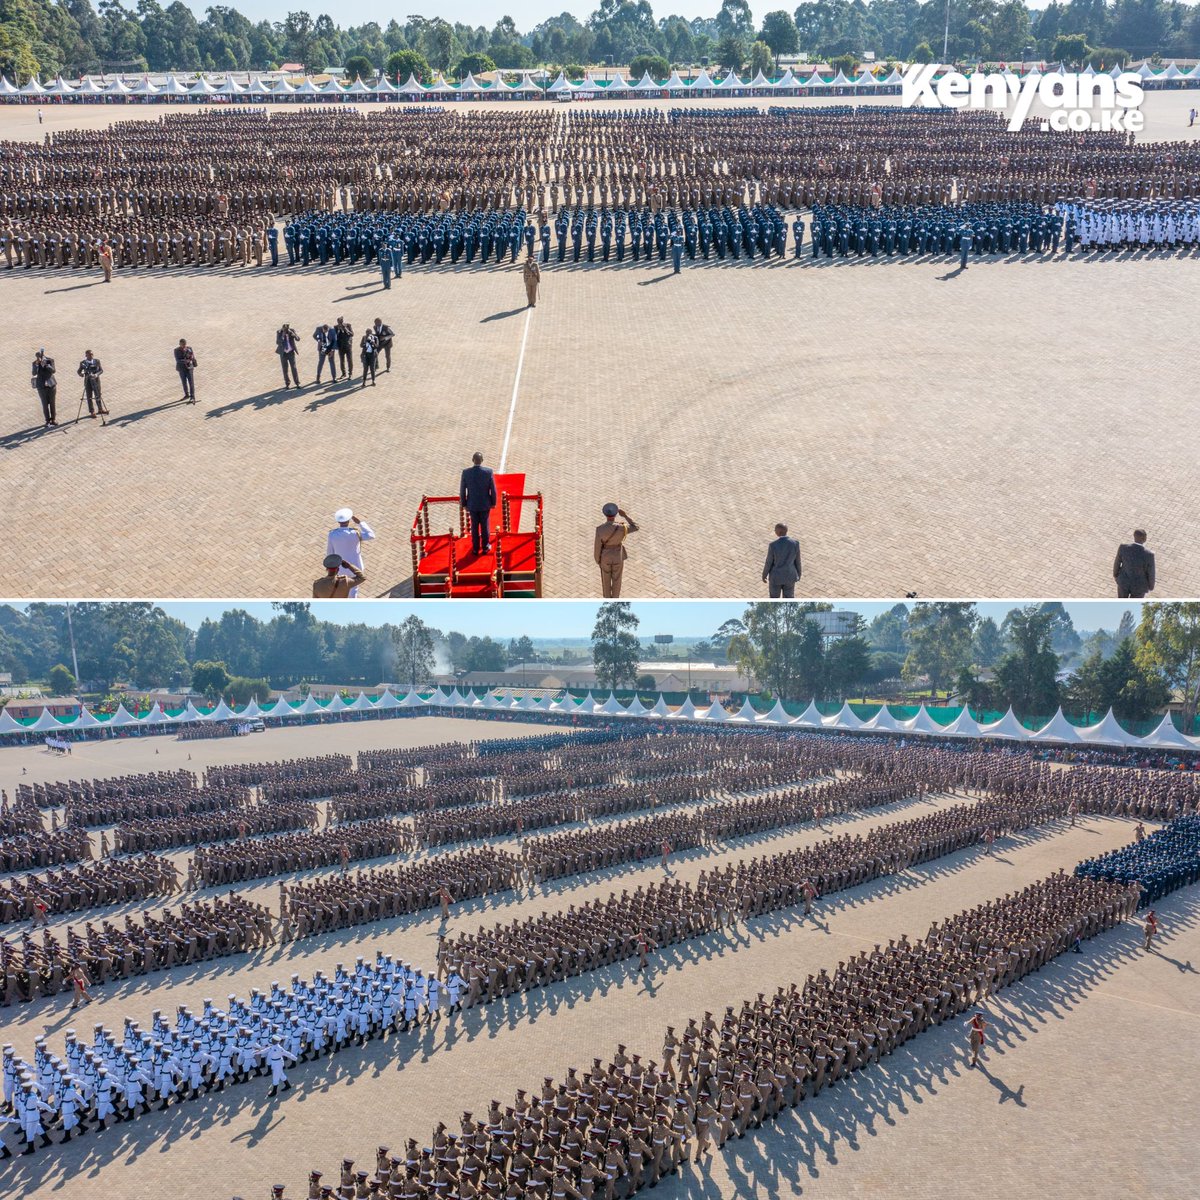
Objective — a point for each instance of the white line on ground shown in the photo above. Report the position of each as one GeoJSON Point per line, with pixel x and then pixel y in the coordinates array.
{"type": "Point", "coordinates": [512, 408]}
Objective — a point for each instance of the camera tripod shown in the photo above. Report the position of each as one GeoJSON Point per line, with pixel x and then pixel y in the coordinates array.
{"type": "Point", "coordinates": [101, 409]}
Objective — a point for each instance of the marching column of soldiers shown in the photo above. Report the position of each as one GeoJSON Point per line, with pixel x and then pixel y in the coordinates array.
{"type": "Point", "coordinates": [605, 1132]}
{"type": "Point", "coordinates": [117, 1078]}
{"type": "Point", "coordinates": [206, 188]}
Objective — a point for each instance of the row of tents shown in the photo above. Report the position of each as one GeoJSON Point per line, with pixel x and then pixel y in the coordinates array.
{"type": "Point", "coordinates": [257, 88]}
{"type": "Point", "coordinates": [1059, 730]}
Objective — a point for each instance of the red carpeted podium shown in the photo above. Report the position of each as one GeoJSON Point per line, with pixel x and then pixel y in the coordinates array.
{"type": "Point", "coordinates": [444, 564]}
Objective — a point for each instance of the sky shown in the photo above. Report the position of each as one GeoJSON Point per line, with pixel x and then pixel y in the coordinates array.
{"type": "Point", "coordinates": [504, 619]}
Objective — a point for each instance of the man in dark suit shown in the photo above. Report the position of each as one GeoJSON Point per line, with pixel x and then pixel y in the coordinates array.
{"type": "Point", "coordinates": [477, 494]}
{"type": "Point", "coordinates": [1133, 568]}
{"type": "Point", "coordinates": [781, 571]}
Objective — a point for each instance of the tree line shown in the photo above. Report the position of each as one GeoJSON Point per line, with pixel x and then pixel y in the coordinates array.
{"type": "Point", "coordinates": [72, 37]}
{"type": "Point", "coordinates": [1033, 659]}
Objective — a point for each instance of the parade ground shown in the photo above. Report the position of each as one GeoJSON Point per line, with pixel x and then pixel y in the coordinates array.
{"type": "Point", "coordinates": [1088, 1064]}
{"type": "Point", "coordinates": [994, 431]}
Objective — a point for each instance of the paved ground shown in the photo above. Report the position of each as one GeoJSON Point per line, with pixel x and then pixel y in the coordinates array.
{"type": "Point", "coordinates": [1047, 1105]}
{"type": "Point", "coordinates": [920, 430]}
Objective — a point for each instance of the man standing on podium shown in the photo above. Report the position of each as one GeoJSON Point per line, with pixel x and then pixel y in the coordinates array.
{"type": "Point", "coordinates": [477, 494]}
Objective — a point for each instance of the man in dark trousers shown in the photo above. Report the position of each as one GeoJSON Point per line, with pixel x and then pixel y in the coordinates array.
{"type": "Point", "coordinates": [384, 335]}
{"type": "Point", "coordinates": [1133, 568]}
{"type": "Point", "coordinates": [344, 332]}
{"type": "Point", "coordinates": [286, 345]}
{"type": "Point", "coordinates": [47, 386]}
{"type": "Point", "coordinates": [477, 494]}
{"type": "Point", "coordinates": [90, 371]}
{"type": "Point", "coordinates": [185, 364]}
{"type": "Point", "coordinates": [781, 571]}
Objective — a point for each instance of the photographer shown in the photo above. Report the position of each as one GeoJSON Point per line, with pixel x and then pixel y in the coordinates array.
{"type": "Point", "coordinates": [47, 386]}
{"type": "Point", "coordinates": [369, 353]}
{"type": "Point", "coordinates": [185, 364]}
{"type": "Point", "coordinates": [90, 371]}
{"type": "Point", "coordinates": [331, 585]}
{"type": "Point", "coordinates": [384, 334]}
{"type": "Point", "coordinates": [344, 332]}
{"type": "Point", "coordinates": [286, 342]}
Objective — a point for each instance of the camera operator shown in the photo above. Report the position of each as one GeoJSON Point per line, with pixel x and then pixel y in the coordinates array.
{"type": "Point", "coordinates": [42, 378]}
{"type": "Point", "coordinates": [331, 585]}
{"type": "Point", "coordinates": [90, 371]}
{"type": "Point", "coordinates": [286, 341]}
{"type": "Point", "coordinates": [185, 364]}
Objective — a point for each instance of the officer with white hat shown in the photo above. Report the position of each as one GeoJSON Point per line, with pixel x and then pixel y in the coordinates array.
{"type": "Point", "coordinates": [346, 540]}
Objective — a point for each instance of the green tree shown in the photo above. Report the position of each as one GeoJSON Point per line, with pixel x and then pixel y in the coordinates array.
{"type": "Point", "coordinates": [781, 648]}
{"type": "Point", "coordinates": [731, 52]}
{"type": "Point", "coordinates": [987, 645]}
{"type": "Point", "coordinates": [60, 681]}
{"type": "Point", "coordinates": [1026, 675]}
{"type": "Point", "coordinates": [761, 59]}
{"type": "Point", "coordinates": [414, 643]}
{"type": "Point", "coordinates": [658, 67]}
{"type": "Point", "coordinates": [1133, 691]}
{"type": "Point", "coordinates": [847, 664]}
{"type": "Point", "coordinates": [780, 33]}
{"type": "Point", "coordinates": [1168, 644]}
{"type": "Point", "coordinates": [939, 642]}
{"type": "Point", "coordinates": [521, 650]}
{"type": "Point", "coordinates": [242, 690]}
{"type": "Point", "coordinates": [735, 19]}
{"type": "Point", "coordinates": [210, 679]}
{"type": "Point", "coordinates": [474, 64]}
{"type": "Point", "coordinates": [358, 66]}
{"type": "Point", "coordinates": [846, 63]}
{"type": "Point", "coordinates": [403, 63]}
{"type": "Point", "coordinates": [723, 637]}
{"type": "Point", "coordinates": [1070, 49]}
{"type": "Point", "coordinates": [484, 654]}
{"type": "Point", "coordinates": [922, 53]}
{"type": "Point", "coordinates": [18, 61]}
{"type": "Point", "coordinates": [616, 651]}
{"type": "Point", "coordinates": [1010, 30]}
{"type": "Point", "coordinates": [441, 45]}
{"type": "Point", "coordinates": [889, 630]}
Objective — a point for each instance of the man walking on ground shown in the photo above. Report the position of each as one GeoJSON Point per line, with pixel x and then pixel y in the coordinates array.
{"type": "Point", "coordinates": [477, 494]}
{"type": "Point", "coordinates": [1133, 568]}
{"type": "Point", "coordinates": [781, 571]}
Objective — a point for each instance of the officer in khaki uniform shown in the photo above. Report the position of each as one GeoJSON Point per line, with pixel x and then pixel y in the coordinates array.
{"type": "Point", "coordinates": [532, 275]}
{"type": "Point", "coordinates": [609, 551]}
{"type": "Point", "coordinates": [332, 586]}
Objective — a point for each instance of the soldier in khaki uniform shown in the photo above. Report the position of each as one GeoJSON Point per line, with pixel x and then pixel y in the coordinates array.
{"type": "Point", "coordinates": [532, 274]}
{"type": "Point", "coordinates": [609, 550]}
{"type": "Point", "coordinates": [332, 586]}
